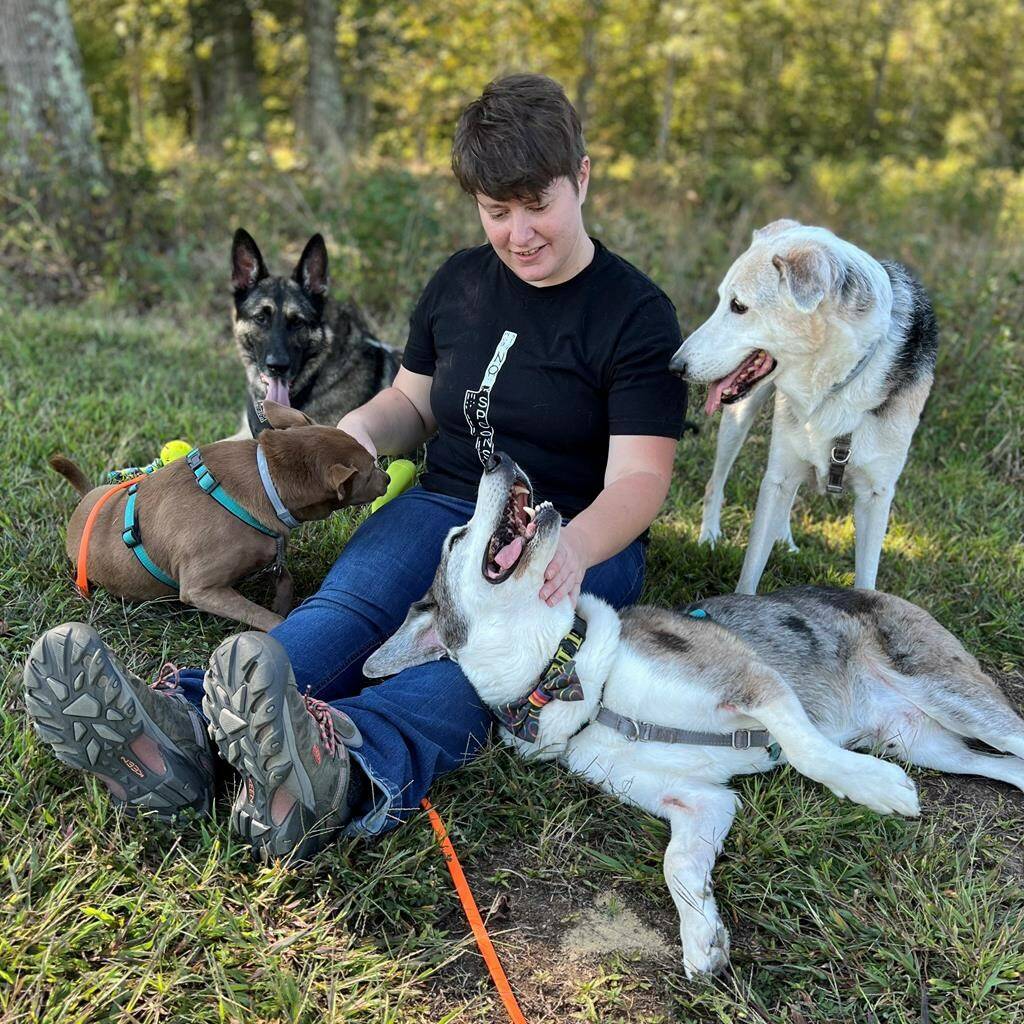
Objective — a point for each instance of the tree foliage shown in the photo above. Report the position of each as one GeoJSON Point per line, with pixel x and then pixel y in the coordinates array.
{"type": "Point", "coordinates": [718, 81]}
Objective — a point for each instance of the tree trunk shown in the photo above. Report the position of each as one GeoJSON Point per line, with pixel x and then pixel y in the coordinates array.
{"type": "Point", "coordinates": [668, 93]}
{"type": "Point", "coordinates": [890, 19]}
{"type": "Point", "coordinates": [49, 114]}
{"type": "Point", "coordinates": [325, 109]}
{"type": "Point", "coordinates": [592, 11]}
{"type": "Point", "coordinates": [224, 77]}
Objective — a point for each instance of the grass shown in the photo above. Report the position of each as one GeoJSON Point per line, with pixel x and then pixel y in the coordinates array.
{"type": "Point", "coordinates": [835, 913]}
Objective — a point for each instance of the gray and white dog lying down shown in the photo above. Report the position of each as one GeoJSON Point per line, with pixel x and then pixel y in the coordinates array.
{"type": "Point", "coordinates": [847, 346]}
{"type": "Point", "coordinates": [821, 669]}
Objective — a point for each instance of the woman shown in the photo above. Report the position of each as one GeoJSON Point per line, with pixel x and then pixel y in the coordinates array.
{"type": "Point", "coordinates": [540, 342]}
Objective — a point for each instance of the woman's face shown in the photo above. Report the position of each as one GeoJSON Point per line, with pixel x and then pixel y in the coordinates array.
{"type": "Point", "coordinates": [543, 242]}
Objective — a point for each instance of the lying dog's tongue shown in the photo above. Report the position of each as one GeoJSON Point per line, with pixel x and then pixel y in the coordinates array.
{"type": "Point", "coordinates": [509, 553]}
{"type": "Point", "coordinates": [277, 391]}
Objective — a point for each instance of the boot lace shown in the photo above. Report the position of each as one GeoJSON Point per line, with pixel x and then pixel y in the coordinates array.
{"type": "Point", "coordinates": [324, 719]}
{"type": "Point", "coordinates": [168, 679]}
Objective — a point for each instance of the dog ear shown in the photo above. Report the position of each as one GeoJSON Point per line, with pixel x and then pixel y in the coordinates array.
{"type": "Point", "coordinates": [775, 228]}
{"type": "Point", "coordinates": [311, 271]}
{"type": "Point", "coordinates": [281, 417]}
{"type": "Point", "coordinates": [247, 266]}
{"type": "Point", "coordinates": [806, 274]}
{"type": "Point", "coordinates": [415, 643]}
{"type": "Point", "coordinates": [338, 476]}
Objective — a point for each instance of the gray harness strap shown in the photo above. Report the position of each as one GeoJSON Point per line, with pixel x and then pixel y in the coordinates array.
{"type": "Point", "coordinates": [838, 457]}
{"type": "Point", "coordinates": [741, 739]}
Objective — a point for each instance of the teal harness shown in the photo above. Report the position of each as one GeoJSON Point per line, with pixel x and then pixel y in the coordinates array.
{"type": "Point", "coordinates": [133, 538]}
{"type": "Point", "coordinates": [132, 535]}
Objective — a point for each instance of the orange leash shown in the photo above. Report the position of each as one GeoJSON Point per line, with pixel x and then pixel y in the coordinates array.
{"type": "Point", "coordinates": [483, 940]}
{"type": "Point", "coordinates": [82, 576]}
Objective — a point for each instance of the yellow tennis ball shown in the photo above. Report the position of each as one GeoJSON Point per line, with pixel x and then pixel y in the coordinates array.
{"type": "Point", "coordinates": [176, 449]}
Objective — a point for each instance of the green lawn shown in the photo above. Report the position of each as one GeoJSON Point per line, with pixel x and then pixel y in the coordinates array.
{"type": "Point", "coordinates": [836, 914]}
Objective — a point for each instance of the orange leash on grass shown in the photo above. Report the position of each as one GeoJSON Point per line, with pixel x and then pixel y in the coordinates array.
{"type": "Point", "coordinates": [82, 575]}
{"type": "Point", "coordinates": [483, 940]}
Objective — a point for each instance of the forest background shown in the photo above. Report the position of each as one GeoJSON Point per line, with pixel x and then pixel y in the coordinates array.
{"type": "Point", "coordinates": [139, 132]}
{"type": "Point", "coordinates": [136, 135]}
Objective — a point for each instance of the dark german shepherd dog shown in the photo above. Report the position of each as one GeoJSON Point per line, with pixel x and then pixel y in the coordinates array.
{"type": "Point", "coordinates": [298, 347]}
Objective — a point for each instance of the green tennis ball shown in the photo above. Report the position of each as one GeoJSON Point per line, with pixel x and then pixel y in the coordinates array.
{"type": "Point", "coordinates": [402, 474]}
{"type": "Point", "coordinates": [176, 449]}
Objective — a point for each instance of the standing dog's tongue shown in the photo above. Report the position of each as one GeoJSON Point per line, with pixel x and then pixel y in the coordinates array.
{"type": "Point", "coordinates": [277, 391]}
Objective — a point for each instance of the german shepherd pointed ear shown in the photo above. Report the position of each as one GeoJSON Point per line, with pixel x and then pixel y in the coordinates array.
{"type": "Point", "coordinates": [806, 274]}
{"type": "Point", "coordinates": [311, 271]}
{"type": "Point", "coordinates": [415, 643]}
{"type": "Point", "coordinates": [247, 266]}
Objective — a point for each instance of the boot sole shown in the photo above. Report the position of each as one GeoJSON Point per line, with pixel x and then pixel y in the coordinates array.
{"type": "Point", "coordinates": [244, 700]}
{"type": "Point", "coordinates": [85, 710]}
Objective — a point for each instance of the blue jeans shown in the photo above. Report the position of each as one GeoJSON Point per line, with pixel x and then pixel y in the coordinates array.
{"type": "Point", "coordinates": [426, 720]}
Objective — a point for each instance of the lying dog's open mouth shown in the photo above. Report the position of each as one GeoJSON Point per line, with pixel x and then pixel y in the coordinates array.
{"type": "Point", "coordinates": [277, 390]}
{"type": "Point", "coordinates": [516, 528]}
{"type": "Point", "coordinates": [734, 386]}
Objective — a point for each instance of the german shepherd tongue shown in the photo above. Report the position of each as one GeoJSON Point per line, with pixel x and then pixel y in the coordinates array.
{"type": "Point", "coordinates": [277, 391]}
{"type": "Point", "coordinates": [509, 553]}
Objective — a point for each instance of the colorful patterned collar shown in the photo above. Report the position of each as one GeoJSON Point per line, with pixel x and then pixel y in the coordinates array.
{"type": "Point", "coordinates": [557, 682]}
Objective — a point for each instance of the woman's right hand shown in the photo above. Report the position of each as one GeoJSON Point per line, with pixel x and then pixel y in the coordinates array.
{"type": "Point", "coordinates": [356, 430]}
{"type": "Point", "coordinates": [396, 419]}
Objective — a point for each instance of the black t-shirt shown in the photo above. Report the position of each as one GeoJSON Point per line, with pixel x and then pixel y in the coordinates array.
{"type": "Point", "coordinates": [543, 374]}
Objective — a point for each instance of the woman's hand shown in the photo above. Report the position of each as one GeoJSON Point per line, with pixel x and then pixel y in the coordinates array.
{"type": "Point", "coordinates": [351, 425]}
{"type": "Point", "coordinates": [565, 571]}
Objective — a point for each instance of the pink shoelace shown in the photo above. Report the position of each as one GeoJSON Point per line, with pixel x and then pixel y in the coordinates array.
{"type": "Point", "coordinates": [321, 712]}
{"type": "Point", "coordinates": [168, 678]}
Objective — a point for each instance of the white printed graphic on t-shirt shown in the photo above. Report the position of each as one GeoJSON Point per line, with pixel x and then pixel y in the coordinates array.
{"type": "Point", "coordinates": [477, 402]}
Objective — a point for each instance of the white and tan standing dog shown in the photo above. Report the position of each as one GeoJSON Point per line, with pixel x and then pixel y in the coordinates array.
{"type": "Point", "coordinates": [822, 669]}
{"type": "Point", "coordinates": [847, 345]}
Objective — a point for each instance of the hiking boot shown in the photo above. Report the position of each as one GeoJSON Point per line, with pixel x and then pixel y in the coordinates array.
{"type": "Point", "coordinates": [290, 750]}
{"type": "Point", "coordinates": [147, 743]}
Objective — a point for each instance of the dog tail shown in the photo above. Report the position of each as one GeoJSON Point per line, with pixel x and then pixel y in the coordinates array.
{"type": "Point", "coordinates": [72, 473]}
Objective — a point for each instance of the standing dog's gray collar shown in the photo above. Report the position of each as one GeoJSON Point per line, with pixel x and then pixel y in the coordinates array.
{"type": "Point", "coordinates": [858, 369]}
{"type": "Point", "coordinates": [268, 485]}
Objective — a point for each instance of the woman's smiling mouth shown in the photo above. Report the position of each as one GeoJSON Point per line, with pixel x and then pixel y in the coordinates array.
{"type": "Point", "coordinates": [527, 254]}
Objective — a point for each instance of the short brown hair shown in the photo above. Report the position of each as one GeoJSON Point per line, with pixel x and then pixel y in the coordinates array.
{"type": "Point", "coordinates": [517, 138]}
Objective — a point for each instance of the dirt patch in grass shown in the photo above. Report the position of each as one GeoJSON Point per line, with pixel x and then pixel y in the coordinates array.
{"type": "Point", "coordinates": [565, 946]}
{"type": "Point", "coordinates": [610, 927]}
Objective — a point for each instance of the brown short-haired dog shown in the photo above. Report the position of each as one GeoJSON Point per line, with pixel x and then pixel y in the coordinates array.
{"type": "Point", "coordinates": [205, 547]}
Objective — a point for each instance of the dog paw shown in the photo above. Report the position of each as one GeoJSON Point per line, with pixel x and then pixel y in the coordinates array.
{"type": "Point", "coordinates": [709, 535]}
{"type": "Point", "coordinates": [705, 948]}
{"type": "Point", "coordinates": [880, 785]}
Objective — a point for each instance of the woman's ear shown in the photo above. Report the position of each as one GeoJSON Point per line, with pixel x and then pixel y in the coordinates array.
{"type": "Point", "coordinates": [583, 178]}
